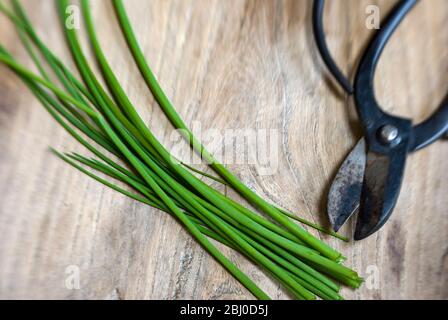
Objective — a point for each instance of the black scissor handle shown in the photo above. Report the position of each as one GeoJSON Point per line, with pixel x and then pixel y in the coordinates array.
{"type": "Point", "coordinates": [432, 128]}
{"type": "Point", "coordinates": [424, 133]}
{"type": "Point", "coordinates": [319, 35]}
{"type": "Point", "coordinates": [368, 109]}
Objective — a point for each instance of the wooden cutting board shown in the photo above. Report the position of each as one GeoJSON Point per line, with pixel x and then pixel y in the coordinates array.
{"type": "Point", "coordinates": [226, 65]}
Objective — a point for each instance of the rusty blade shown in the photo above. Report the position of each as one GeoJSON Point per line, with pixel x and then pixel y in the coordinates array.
{"type": "Point", "coordinates": [381, 187]}
{"type": "Point", "coordinates": [345, 191]}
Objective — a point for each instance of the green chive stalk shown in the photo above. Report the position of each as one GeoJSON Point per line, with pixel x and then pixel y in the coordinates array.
{"type": "Point", "coordinates": [238, 274]}
{"type": "Point", "coordinates": [122, 100]}
{"type": "Point", "coordinates": [87, 110]}
{"type": "Point", "coordinates": [177, 121]}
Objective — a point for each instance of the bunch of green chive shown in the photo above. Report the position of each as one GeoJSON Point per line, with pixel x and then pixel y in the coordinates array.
{"type": "Point", "coordinates": [90, 112]}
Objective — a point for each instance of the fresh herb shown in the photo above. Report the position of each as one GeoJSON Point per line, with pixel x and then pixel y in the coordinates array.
{"type": "Point", "coordinates": [125, 150]}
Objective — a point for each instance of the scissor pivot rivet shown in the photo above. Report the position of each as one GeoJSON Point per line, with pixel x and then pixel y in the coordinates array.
{"type": "Point", "coordinates": [388, 133]}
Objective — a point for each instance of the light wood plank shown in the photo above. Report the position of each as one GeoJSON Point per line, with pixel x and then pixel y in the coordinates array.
{"type": "Point", "coordinates": [231, 64]}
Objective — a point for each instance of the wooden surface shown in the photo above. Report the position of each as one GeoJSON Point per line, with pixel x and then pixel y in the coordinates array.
{"type": "Point", "coordinates": [228, 64]}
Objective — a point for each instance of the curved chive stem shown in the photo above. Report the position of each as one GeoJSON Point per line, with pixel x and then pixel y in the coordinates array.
{"type": "Point", "coordinates": [176, 120]}
{"type": "Point", "coordinates": [122, 132]}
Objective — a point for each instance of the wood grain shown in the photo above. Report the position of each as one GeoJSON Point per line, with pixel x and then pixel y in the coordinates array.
{"type": "Point", "coordinates": [230, 64]}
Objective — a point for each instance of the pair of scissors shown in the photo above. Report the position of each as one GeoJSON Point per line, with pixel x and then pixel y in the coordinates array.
{"type": "Point", "coordinates": [370, 178]}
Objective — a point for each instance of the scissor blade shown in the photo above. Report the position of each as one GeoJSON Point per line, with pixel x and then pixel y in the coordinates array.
{"type": "Point", "coordinates": [345, 191]}
{"type": "Point", "coordinates": [381, 187]}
